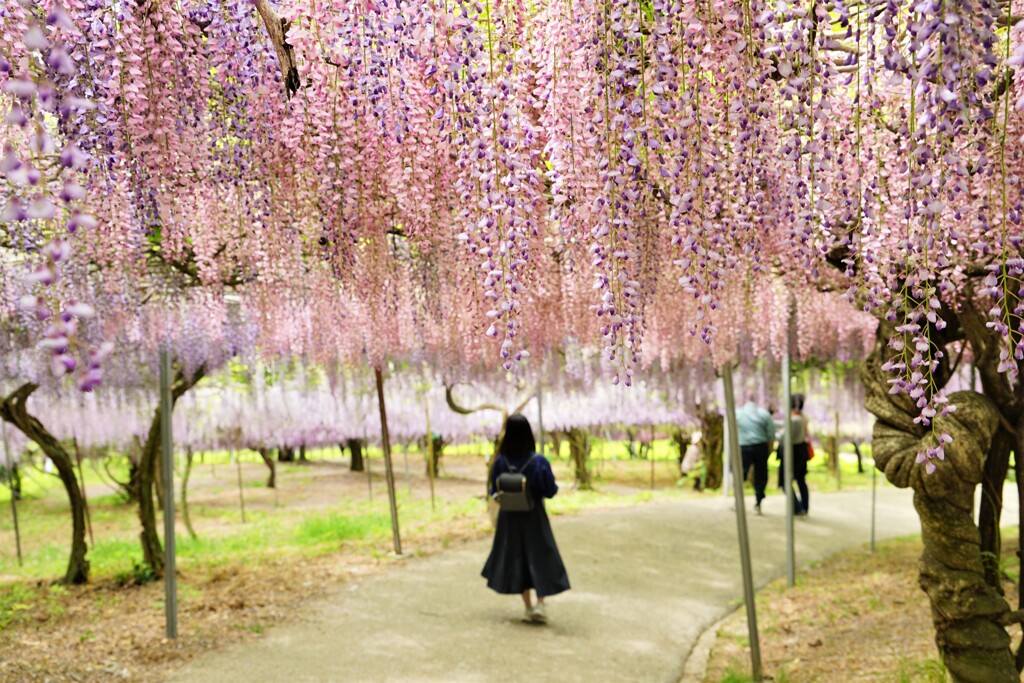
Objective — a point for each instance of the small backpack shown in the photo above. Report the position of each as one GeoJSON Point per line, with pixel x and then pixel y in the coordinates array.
{"type": "Point", "coordinates": [512, 491]}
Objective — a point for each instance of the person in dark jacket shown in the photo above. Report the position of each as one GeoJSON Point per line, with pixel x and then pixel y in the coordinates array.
{"type": "Point", "coordinates": [524, 555]}
{"type": "Point", "coordinates": [799, 430]}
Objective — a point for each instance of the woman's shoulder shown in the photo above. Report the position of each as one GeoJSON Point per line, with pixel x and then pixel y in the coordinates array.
{"type": "Point", "coordinates": [542, 462]}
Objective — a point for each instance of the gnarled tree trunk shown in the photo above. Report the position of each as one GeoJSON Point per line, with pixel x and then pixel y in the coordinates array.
{"type": "Point", "coordinates": [355, 449]}
{"type": "Point", "coordinates": [439, 444]}
{"type": "Point", "coordinates": [14, 411]}
{"type": "Point", "coordinates": [579, 451]}
{"type": "Point", "coordinates": [968, 613]}
{"type": "Point", "coordinates": [860, 456]}
{"type": "Point", "coordinates": [555, 437]}
{"type": "Point", "coordinates": [152, 549]}
{"type": "Point", "coordinates": [712, 443]}
{"type": "Point", "coordinates": [268, 460]}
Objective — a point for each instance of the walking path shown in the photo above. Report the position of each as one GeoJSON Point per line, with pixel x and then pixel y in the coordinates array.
{"type": "Point", "coordinates": [646, 582]}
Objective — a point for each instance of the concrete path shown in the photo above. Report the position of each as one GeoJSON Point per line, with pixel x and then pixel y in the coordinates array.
{"type": "Point", "coordinates": [646, 582]}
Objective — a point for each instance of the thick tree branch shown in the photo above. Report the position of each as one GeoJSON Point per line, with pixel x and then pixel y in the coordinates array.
{"type": "Point", "coordinates": [461, 410]}
{"type": "Point", "coordinates": [277, 28]}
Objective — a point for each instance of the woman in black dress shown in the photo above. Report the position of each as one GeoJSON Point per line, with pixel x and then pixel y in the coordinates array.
{"type": "Point", "coordinates": [524, 555]}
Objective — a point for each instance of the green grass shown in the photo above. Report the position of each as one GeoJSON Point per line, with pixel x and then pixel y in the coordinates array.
{"type": "Point", "coordinates": [18, 602]}
{"type": "Point", "coordinates": [45, 527]}
{"type": "Point", "coordinates": [335, 528]}
{"type": "Point", "coordinates": [923, 671]}
{"type": "Point", "coordinates": [734, 676]}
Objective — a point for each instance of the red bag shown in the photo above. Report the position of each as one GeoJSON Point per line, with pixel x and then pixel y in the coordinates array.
{"type": "Point", "coordinates": [810, 451]}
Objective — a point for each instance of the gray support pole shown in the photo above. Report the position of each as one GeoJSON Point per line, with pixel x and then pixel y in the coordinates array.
{"type": "Point", "coordinates": [237, 457]}
{"type": "Point", "coordinates": [388, 470]}
{"type": "Point", "coordinates": [405, 460]}
{"type": "Point", "coordinates": [430, 455]}
{"type": "Point", "coordinates": [839, 473]}
{"type": "Point", "coordinates": [741, 525]}
{"type": "Point", "coordinates": [369, 474]}
{"type": "Point", "coordinates": [726, 459]}
{"type": "Point", "coordinates": [10, 479]}
{"type": "Point", "coordinates": [874, 471]}
{"type": "Point", "coordinates": [167, 463]}
{"type": "Point", "coordinates": [787, 468]}
{"type": "Point", "coordinates": [540, 419]}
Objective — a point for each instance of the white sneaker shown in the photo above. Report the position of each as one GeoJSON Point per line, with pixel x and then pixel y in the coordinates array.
{"type": "Point", "coordinates": [539, 614]}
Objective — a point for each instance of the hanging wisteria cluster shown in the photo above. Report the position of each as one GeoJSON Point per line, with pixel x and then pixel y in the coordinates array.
{"type": "Point", "coordinates": [43, 195]}
{"type": "Point", "coordinates": [466, 181]}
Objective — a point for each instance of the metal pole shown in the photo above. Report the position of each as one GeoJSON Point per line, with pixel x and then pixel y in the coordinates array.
{"type": "Point", "coordinates": [874, 470]}
{"type": "Point", "coordinates": [405, 460]}
{"type": "Point", "coordinates": [237, 457]}
{"type": "Point", "coordinates": [430, 455]}
{"type": "Point", "coordinates": [741, 525]}
{"type": "Point", "coordinates": [540, 419]}
{"type": "Point", "coordinates": [167, 462]}
{"type": "Point", "coordinates": [839, 474]}
{"type": "Point", "coordinates": [650, 456]}
{"type": "Point", "coordinates": [726, 478]}
{"type": "Point", "coordinates": [787, 468]}
{"type": "Point", "coordinates": [389, 472]}
{"type": "Point", "coordinates": [10, 479]}
{"type": "Point", "coordinates": [369, 474]}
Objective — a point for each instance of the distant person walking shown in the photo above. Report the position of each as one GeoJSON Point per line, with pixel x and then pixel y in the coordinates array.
{"type": "Point", "coordinates": [524, 555]}
{"type": "Point", "coordinates": [756, 431]}
{"type": "Point", "coordinates": [799, 430]}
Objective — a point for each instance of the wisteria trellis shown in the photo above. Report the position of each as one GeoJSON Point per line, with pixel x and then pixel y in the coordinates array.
{"type": "Point", "coordinates": [431, 174]}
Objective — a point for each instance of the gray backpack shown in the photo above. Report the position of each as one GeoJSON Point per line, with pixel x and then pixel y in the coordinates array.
{"type": "Point", "coordinates": [512, 491]}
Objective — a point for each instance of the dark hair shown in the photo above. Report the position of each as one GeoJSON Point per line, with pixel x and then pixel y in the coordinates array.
{"type": "Point", "coordinates": [796, 402]}
{"type": "Point", "coordinates": [518, 441]}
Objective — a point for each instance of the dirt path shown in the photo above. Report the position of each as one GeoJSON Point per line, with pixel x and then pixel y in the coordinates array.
{"type": "Point", "coordinates": [646, 582]}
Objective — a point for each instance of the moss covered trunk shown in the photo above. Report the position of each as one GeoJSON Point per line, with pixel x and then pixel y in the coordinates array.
{"type": "Point", "coordinates": [579, 449]}
{"type": "Point", "coordinates": [712, 444]}
{"type": "Point", "coordinates": [14, 410]}
{"type": "Point", "coordinates": [968, 613]}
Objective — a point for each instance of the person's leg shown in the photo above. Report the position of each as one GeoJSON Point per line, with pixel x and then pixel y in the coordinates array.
{"type": "Point", "coordinates": [539, 614]}
{"type": "Point", "coordinates": [526, 599]}
{"type": "Point", "coordinates": [761, 472]}
{"type": "Point", "coordinates": [746, 456]}
{"type": "Point", "coordinates": [805, 495]}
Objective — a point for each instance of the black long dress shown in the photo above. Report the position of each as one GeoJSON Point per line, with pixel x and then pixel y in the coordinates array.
{"type": "Point", "coordinates": [524, 554]}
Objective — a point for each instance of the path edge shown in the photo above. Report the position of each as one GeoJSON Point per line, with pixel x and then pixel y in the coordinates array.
{"type": "Point", "coordinates": [695, 665]}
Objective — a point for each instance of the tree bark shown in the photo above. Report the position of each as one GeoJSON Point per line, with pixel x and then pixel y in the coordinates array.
{"type": "Point", "coordinates": [712, 443]}
{"type": "Point", "coordinates": [285, 454]}
{"type": "Point", "coordinates": [681, 440]}
{"type": "Point", "coordinates": [268, 459]}
{"type": "Point", "coordinates": [555, 437]}
{"type": "Point", "coordinates": [997, 464]}
{"type": "Point", "coordinates": [579, 450]}
{"type": "Point", "coordinates": [439, 444]}
{"type": "Point", "coordinates": [860, 456]}
{"type": "Point", "coordinates": [302, 453]}
{"type": "Point", "coordinates": [14, 481]}
{"type": "Point", "coordinates": [152, 549]}
{"type": "Point", "coordinates": [14, 411]}
{"type": "Point", "coordinates": [184, 493]}
{"type": "Point", "coordinates": [968, 614]}
{"type": "Point", "coordinates": [355, 449]}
